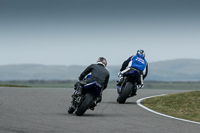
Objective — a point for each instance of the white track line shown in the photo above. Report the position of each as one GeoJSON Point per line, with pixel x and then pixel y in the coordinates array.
{"type": "Point", "coordinates": [139, 103]}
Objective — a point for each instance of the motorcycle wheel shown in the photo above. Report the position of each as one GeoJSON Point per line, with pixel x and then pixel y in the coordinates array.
{"type": "Point", "coordinates": [85, 104]}
{"type": "Point", "coordinates": [125, 93]}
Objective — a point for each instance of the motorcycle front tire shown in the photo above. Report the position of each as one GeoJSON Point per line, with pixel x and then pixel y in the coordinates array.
{"type": "Point", "coordinates": [85, 104]}
{"type": "Point", "coordinates": [125, 93]}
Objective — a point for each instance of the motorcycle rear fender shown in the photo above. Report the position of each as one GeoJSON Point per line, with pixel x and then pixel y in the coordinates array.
{"type": "Point", "coordinates": [93, 84]}
{"type": "Point", "coordinates": [133, 76]}
{"type": "Point", "coordinates": [94, 88]}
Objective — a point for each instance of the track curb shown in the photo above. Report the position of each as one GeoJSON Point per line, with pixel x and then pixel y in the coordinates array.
{"type": "Point", "coordinates": [139, 103]}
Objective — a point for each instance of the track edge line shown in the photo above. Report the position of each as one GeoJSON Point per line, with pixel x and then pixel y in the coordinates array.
{"type": "Point", "coordinates": [172, 117]}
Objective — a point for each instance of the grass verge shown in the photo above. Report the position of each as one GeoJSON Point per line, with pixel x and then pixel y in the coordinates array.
{"type": "Point", "coordinates": [182, 105]}
{"type": "Point", "coordinates": [9, 85]}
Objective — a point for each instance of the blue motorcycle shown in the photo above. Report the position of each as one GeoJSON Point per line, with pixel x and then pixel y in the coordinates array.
{"type": "Point", "coordinates": [86, 100]}
{"type": "Point", "coordinates": [128, 86]}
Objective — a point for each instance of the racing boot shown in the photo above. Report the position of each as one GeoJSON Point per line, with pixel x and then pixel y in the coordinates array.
{"type": "Point", "coordinates": [78, 90]}
{"type": "Point", "coordinates": [96, 101]}
{"type": "Point", "coordinates": [71, 109]}
{"type": "Point", "coordinates": [119, 83]}
{"type": "Point", "coordinates": [133, 93]}
{"type": "Point", "coordinates": [119, 91]}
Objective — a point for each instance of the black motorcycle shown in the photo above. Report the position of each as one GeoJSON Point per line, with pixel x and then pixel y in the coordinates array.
{"type": "Point", "coordinates": [128, 86]}
{"type": "Point", "coordinates": [87, 100]}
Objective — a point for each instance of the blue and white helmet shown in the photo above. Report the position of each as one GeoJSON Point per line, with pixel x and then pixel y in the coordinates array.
{"type": "Point", "coordinates": [141, 53]}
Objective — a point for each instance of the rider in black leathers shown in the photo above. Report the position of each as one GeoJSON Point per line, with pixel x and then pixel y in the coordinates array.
{"type": "Point", "coordinates": [98, 73]}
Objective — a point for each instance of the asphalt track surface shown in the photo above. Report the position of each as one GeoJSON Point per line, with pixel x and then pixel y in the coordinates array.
{"type": "Point", "coordinates": [36, 110]}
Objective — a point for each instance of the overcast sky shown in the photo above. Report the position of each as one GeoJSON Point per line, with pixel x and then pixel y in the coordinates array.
{"type": "Point", "coordinates": [77, 32]}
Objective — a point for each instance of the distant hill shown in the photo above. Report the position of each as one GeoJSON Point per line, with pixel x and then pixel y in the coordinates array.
{"type": "Point", "coordinates": [40, 72]}
{"type": "Point", "coordinates": [171, 70]}
{"type": "Point", "coordinates": [175, 70]}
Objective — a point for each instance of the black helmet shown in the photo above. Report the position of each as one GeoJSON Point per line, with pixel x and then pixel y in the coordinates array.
{"type": "Point", "coordinates": [102, 60]}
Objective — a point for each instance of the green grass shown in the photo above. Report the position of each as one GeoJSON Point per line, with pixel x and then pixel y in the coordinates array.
{"type": "Point", "coordinates": [112, 84]}
{"type": "Point", "coordinates": [182, 105]}
{"type": "Point", "coordinates": [10, 85]}
{"type": "Point", "coordinates": [39, 83]}
{"type": "Point", "coordinates": [189, 85]}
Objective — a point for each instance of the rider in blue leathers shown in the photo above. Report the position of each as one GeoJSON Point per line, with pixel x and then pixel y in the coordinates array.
{"type": "Point", "coordinates": [137, 62]}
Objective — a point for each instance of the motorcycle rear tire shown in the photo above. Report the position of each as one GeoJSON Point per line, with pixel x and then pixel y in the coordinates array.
{"type": "Point", "coordinates": [85, 104]}
{"type": "Point", "coordinates": [125, 93]}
